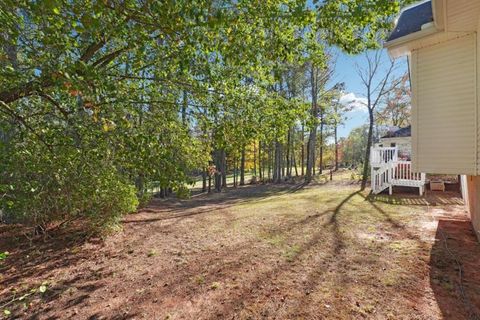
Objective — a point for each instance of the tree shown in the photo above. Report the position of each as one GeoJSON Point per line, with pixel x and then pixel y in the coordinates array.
{"type": "Point", "coordinates": [354, 146]}
{"type": "Point", "coordinates": [103, 96]}
{"type": "Point", "coordinates": [319, 75]}
{"type": "Point", "coordinates": [337, 117]}
{"type": "Point", "coordinates": [375, 80]}
{"type": "Point", "coordinates": [397, 109]}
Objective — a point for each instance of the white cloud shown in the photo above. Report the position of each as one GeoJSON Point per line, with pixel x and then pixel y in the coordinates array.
{"type": "Point", "coordinates": [353, 101]}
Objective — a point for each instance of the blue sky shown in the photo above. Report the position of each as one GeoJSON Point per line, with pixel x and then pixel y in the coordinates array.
{"type": "Point", "coordinates": [345, 71]}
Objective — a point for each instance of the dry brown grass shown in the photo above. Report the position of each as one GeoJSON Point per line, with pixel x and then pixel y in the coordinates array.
{"type": "Point", "coordinates": [260, 252]}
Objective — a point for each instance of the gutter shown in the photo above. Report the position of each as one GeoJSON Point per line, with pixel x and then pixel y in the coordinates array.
{"type": "Point", "coordinates": [427, 30]}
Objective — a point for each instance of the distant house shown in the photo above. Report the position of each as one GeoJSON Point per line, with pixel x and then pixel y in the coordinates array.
{"type": "Point", "coordinates": [402, 139]}
{"type": "Point", "coordinates": [441, 40]}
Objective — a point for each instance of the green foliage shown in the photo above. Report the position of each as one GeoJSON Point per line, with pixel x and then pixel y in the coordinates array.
{"type": "Point", "coordinates": [144, 199]}
{"type": "Point", "coordinates": [71, 184]}
{"type": "Point", "coordinates": [4, 255]}
{"type": "Point", "coordinates": [182, 192]}
{"type": "Point", "coordinates": [100, 100]}
{"type": "Point", "coordinates": [354, 146]}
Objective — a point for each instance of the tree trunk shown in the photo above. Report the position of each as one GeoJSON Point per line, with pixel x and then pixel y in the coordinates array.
{"type": "Point", "coordinates": [277, 171]}
{"type": "Point", "coordinates": [311, 155]}
{"type": "Point", "coordinates": [209, 183]}
{"type": "Point", "coordinates": [140, 184]}
{"type": "Point", "coordinates": [204, 180]}
{"type": "Point", "coordinates": [303, 150]}
{"type": "Point", "coordinates": [336, 146]}
{"type": "Point", "coordinates": [184, 108]}
{"type": "Point", "coordinates": [313, 131]}
{"type": "Point", "coordinates": [275, 163]}
{"type": "Point", "coordinates": [321, 145]}
{"type": "Point", "coordinates": [242, 167]}
{"type": "Point", "coordinates": [289, 173]}
{"type": "Point", "coordinates": [235, 172]}
{"type": "Point", "coordinates": [255, 158]}
{"type": "Point", "coordinates": [269, 161]}
{"type": "Point", "coordinates": [366, 162]}
{"type": "Point", "coordinates": [260, 162]}
{"type": "Point", "coordinates": [219, 172]}
{"type": "Point", "coordinates": [294, 162]}
{"type": "Point", "coordinates": [225, 168]}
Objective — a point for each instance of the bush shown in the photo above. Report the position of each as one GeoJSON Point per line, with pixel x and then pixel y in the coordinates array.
{"type": "Point", "coordinates": [182, 192]}
{"type": "Point", "coordinates": [40, 188]}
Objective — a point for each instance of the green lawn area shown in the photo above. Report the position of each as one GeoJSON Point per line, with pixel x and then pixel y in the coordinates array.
{"type": "Point", "coordinates": [324, 251]}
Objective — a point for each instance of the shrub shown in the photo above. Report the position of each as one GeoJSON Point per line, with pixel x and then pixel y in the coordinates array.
{"type": "Point", "coordinates": [40, 188]}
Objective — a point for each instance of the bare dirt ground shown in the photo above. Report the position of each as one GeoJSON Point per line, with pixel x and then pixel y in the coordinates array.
{"type": "Point", "coordinates": [258, 252]}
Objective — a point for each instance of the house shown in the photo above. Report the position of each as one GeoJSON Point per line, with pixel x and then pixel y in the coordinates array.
{"type": "Point", "coordinates": [401, 139]}
{"type": "Point", "coordinates": [440, 39]}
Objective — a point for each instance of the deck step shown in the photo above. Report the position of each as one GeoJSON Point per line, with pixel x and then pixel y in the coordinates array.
{"type": "Point", "coordinates": [389, 171]}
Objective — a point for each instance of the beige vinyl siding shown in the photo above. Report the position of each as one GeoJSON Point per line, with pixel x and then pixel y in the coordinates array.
{"type": "Point", "coordinates": [462, 15]}
{"type": "Point", "coordinates": [444, 115]}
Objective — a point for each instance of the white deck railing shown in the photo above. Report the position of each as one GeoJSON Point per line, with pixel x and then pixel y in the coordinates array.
{"type": "Point", "coordinates": [381, 177]}
{"type": "Point", "coordinates": [402, 170]}
{"type": "Point", "coordinates": [383, 155]}
{"type": "Point", "coordinates": [388, 171]}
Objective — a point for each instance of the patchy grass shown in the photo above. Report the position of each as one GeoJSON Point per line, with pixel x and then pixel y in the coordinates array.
{"type": "Point", "coordinates": [287, 252]}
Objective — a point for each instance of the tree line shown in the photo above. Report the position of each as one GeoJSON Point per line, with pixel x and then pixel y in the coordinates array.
{"type": "Point", "coordinates": [102, 101]}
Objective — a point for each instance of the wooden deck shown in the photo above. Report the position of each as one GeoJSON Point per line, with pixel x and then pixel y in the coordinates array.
{"type": "Point", "coordinates": [388, 171]}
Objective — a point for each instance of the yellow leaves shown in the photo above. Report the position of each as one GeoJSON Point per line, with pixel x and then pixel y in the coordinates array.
{"type": "Point", "coordinates": [108, 125]}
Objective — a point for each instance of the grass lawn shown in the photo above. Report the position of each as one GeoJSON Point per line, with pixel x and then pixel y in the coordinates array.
{"type": "Point", "coordinates": [325, 251]}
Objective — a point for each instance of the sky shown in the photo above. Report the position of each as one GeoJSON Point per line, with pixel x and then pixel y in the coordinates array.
{"type": "Point", "coordinates": [345, 71]}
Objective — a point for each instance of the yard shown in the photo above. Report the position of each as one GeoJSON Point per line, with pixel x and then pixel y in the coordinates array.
{"type": "Point", "coordinates": [324, 251]}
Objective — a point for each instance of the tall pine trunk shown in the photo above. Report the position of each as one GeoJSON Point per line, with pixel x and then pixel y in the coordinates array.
{"type": "Point", "coordinates": [260, 161]}
{"type": "Point", "coordinates": [288, 158]}
{"type": "Point", "coordinates": [219, 170]}
{"type": "Point", "coordinates": [321, 144]}
{"type": "Point", "coordinates": [294, 163]}
{"type": "Point", "coordinates": [224, 171]}
{"type": "Point", "coordinates": [277, 167]}
{"type": "Point", "coordinates": [311, 155]}
{"type": "Point", "coordinates": [313, 131]}
{"type": "Point", "coordinates": [303, 150]}
{"type": "Point", "coordinates": [269, 161]}
{"type": "Point", "coordinates": [235, 172]}
{"type": "Point", "coordinates": [242, 167]}
{"type": "Point", "coordinates": [255, 158]}
{"type": "Point", "coordinates": [335, 134]}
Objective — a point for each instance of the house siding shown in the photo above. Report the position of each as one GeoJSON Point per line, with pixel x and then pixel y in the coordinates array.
{"type": "Point", "coordinates": [462, 15]}
{"type": "Point", "coordinates": [444, 124]}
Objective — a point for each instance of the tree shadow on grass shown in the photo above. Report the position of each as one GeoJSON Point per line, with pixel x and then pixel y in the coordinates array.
{"type": "Point", "coordinates": [454, 256]}
{"type": "Point", "coordinates": [175, 209]}
{"type": "Point", "coordinates": [32, 262]}
{"type": "Point", "coordinates": [410, 199]}
{"type": "Point", "coordinates": [237, 258]}
{"type": "Point", "coordinates": [454, 269]}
